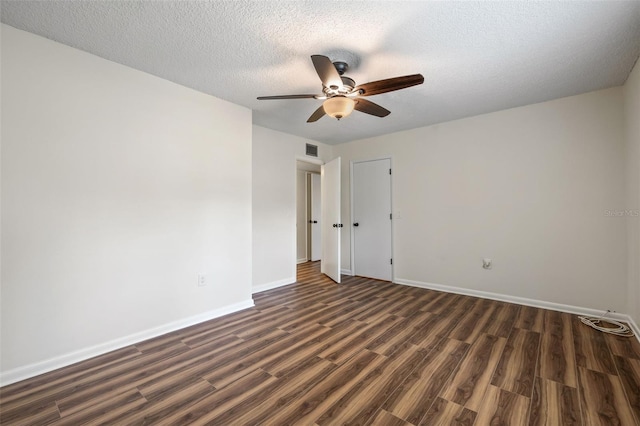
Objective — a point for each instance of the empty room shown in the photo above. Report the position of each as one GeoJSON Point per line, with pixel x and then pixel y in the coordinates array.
{"type": "Point", "coordinates": [319, 212]}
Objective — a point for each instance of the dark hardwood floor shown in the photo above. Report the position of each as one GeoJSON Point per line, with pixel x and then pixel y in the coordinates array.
{"type": "Point", "coordinates": [364, 352]}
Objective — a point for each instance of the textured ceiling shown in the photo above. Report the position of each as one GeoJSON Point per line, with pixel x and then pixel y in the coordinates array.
{"type": "Point", "coordinates": [476, 57]}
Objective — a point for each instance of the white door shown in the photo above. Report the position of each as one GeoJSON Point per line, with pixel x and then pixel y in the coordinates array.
{"type": "Point", "coordinates": [316, 218]}
{"type": "Point", "coordinates": [301, 217]}
{"type": "Point", "coordinates": [372, 219]}
{"type": "Point", "coordinates": [330, 220]}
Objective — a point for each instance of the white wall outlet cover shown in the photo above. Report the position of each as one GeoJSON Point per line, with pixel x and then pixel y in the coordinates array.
{"type": "Point", "coordinates": [202, 280]}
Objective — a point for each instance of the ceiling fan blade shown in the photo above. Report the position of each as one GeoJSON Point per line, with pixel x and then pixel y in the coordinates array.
{"type": "Point", "coordinates": [262, 98]}
{"type": "Point", "coordinates": [389, 85]}
{"type": "Point", "coordinates": [317, 115]}
{"type": "Point", "coordinates": [369, 107]}
{"type": "Point", "coordinates": [326, 71]}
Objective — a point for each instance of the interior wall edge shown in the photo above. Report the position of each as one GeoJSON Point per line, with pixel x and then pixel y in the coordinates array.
{"type": "Point", "coordinates": [273, 284]}
{"type": "Point", "coordinates": [35, 369]}
{"type": "Point", "coordinates": [542, 304]}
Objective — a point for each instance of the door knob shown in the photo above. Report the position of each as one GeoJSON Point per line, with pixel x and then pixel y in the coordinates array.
{"type": "Point", "coordinates": [356, 224]}
{"type": "Point", "coordinates": [335, 225]}
{"type": "Point", "coordinates": [315, 221]}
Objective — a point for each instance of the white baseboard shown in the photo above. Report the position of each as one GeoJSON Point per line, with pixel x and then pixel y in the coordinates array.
{"type": "Point", "coordinates": [346, 272]}
{"type": "Point", "coordinates": [578, 310]}
{"type": "Point", "coordinates": [299, 261]}
{"type": "Point", "coordinates": [35, 369]}
{"type": "Point", "coordinates": [272, 284]}
{"type": "Point", "coordinates": [634, 327]}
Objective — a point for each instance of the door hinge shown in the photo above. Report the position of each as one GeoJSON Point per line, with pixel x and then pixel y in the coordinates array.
{"type": "Point", "coordinates": [391, 261]}
{"type": "Point", "coordinates": [390, 216]}
{"type": "Point", "coordinates": [389, 171]}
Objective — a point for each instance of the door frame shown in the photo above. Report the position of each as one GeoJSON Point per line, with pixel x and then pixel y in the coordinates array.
{"type": "Point", "coordinates": [352, 218]}
{"type": "Point", "coordinates": [309, 160]}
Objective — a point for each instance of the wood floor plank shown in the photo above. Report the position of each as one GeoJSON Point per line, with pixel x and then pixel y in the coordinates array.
{"type": "Point", "coordinates": [87, 394]}
{"type": "Point", "coordinates": [602, 399]}
{"type": "Point", "coordinates": [169, 403]}
{"type": "Point", "coordinates": [422, 298]}
{"type": "Point", "coordinates": [383, 417]}
{"type": "Point", "coordinates": [185, 368]}
{"type": "Point", "coordinates": [396, 335]}
{"type": "Point", "coordinates": [473, 375]}
{"type": "Point", "coordinates": [352, 409]}
{"type": "Point", "coordinates": [450, 303]}
{"type": "Point", "coordinates": [155, 366]}
{"type": "Point", "coordinates": [557, 360]}
{"type": "Point", "coordinates": [628, 347]}
{"type": "Point", "coordinates": [219, 401]}
{"type": "Point", "coordinates": [315, 402]}
{"type": "Point", "coordinates": [350, 313]}
{"type": "Point", "coordinates": [448, 413]}
{"type": "Point", "coordinates": [629, 373]}
{"type": "Point", "coordinates": [517, 367]}
{"type": "Point", "coordinates": [346, 349]}
{"type": "Point", "coordinates": [107, 410]}
{"type": "Point", "coordinates": [30, 414]}
{"type": "Point", "coordinates": [501, 407]}
{"type": "Point", "coordinates": [591, 348]}
{"type": "Point", "coordinates": [501, 322]}
{"type": "Point", "coordinates": [323, 314]}
{"type": "Point", "coordinates": [285, 363]}
{"type": "Point", "coordinates": [554, 404]}
{"type": "Point", "coordinates": [473, 321]}
{"type": "Point", "coordinates": [220, 331]}
{"type": "Point", "coordinates": [64, 376]}
{"type": "Point", "coordinates": [431, 330]}
{"type": "Point", "coordinates": [223, 375]}
{"type": "Point", "coordinates": [47, 388]}
{"type": "Point", "coordinates": [412, 399]}
{"type": "Point", "coordinates": [267, 324]}
{"type": "Point", "coordinates": [380, 308]}
{"type": "Point", "coordinates": [362, 352]}
{"type": "Point", "coordinates": [440, 300]}
{"type": "Point", "coordinates": [299, 318]}
{"type": "Point", "coordinates": [278, 395]}
{"type": "Point", "coordinates": [530, 318]}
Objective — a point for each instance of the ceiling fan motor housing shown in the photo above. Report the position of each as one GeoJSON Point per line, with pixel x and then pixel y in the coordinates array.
{"type": "Point", "coordinates": [341, 67]}
{"type": "Point", "coordinates": [347, 87]}
{"type": "Point", "coordinates": [348, 82]}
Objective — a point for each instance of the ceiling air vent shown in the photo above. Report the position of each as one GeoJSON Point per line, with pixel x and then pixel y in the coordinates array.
{"type": "Point", "coordinates": [312, 150]}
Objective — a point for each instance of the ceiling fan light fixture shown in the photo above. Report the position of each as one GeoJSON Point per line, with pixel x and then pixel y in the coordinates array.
{"type": "Point", "coordinates": [338, 106]}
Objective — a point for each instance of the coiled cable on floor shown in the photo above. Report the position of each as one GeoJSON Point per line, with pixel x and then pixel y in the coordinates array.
{"type": "Point", "coordinates": [619, 328]}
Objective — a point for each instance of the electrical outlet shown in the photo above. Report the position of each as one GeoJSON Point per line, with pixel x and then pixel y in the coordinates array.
{"type": "Point", "coordinates": [202, 280]}
{"type": "Point", "coordinates": [486, 263]}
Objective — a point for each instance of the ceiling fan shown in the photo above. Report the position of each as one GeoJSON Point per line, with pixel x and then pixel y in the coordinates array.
{"type": "Point", "coordinates": [342, 95]}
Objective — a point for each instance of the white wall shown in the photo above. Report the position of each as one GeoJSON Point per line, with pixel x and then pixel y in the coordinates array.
{"type": "Point", "coordinates": [632, 133]}
{"type": "Point", "coordinates": [118, 188]}
{"type": "Point", "coordinates": [301, 216]}
{"type": "Point", "coordinates": [527, 187]}
{"type": "Point", "coordinates": [274, 205]}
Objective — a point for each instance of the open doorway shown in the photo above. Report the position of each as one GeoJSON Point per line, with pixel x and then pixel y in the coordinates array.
{"type": "Point", "coordinates": [308, 212]}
